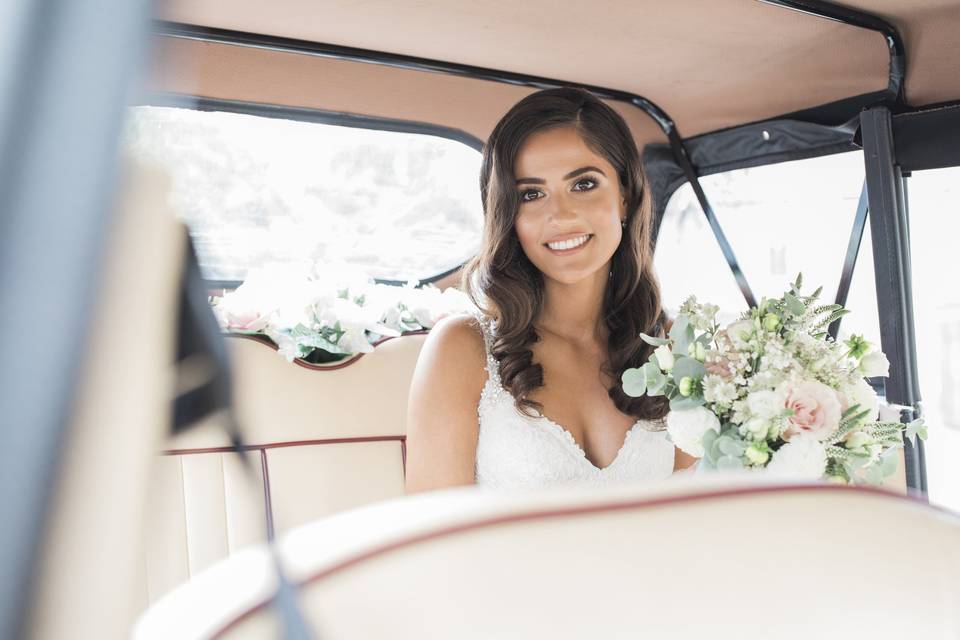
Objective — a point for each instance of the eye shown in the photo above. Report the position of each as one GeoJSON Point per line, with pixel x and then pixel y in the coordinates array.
{"type": "Point", "coordinates": [530, 195]}
{"type": "Point", "coordinates": [584, 184]}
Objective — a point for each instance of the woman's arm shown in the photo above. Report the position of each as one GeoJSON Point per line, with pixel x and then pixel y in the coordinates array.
{"type": "Point", "coordinates": [683, 461]}
{"type": "Point", "coordinates": [442, 422]}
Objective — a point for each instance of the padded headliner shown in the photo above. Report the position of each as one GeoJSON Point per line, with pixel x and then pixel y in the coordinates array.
{"type": "Point", "coordinates": [710, 64]}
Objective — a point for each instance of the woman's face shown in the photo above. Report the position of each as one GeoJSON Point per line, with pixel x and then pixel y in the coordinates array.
{"type": "Point", "coordinates": [571, 207]}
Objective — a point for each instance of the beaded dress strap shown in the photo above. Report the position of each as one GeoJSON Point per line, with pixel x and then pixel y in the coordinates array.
{"type": "Point", "coordinates": [488, 328]}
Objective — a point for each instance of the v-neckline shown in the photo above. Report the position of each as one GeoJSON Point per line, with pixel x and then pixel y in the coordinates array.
{"type": "Point", "coordinates": [568, 437]}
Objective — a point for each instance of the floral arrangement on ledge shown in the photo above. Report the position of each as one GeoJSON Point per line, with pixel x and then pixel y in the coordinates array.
{"type": "Point", "coordinates": [773, 391]}
{"type": "Point", "coordinates": [325, 313]}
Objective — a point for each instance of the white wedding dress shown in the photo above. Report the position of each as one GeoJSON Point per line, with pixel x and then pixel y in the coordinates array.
{"type": "Point", "coordinates": [517, 451]}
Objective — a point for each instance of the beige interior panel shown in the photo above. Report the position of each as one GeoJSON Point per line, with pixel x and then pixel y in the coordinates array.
{"type": "Point", "coordinates": [167, 547]}
{"type": "Point", "coordinates": [278, 401]}
{"type": "Point", "coordinates": [710, 64]}
{"type": "Point", "coordinates": [257, 75]}
{"type": "Point", "coordinates": [308, 482]}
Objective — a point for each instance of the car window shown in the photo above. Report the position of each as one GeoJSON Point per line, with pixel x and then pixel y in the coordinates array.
{"type": "Point", "coordinates": [255, 190]}
{"type": "Point", "coordinates": [933, 198]}
{"type": "Point", "coordinates": [781, 220]}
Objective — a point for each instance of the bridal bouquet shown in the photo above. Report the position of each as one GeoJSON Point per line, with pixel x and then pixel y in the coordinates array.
{"type": "Point", "coordinates": [324, 313]}
{"type": "Point", "coordinates": [773, 390]}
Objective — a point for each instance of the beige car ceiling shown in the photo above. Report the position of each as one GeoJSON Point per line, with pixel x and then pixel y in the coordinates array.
{"type": "Point", "coordinates": [710, 64]}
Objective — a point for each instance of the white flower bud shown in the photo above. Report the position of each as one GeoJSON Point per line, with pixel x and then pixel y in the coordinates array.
{"type": "Point", "coordinates": [757, 427]}
{"type": "Point", "coordinates": [756, 456]}
{"type": "Point", "coordinates": [875, 364]}
{"type": "Point", "coordinates": [664, 357]}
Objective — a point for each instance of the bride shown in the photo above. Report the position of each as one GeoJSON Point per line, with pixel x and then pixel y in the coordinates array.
{"type": "Point", "coordinates": [527, 393]}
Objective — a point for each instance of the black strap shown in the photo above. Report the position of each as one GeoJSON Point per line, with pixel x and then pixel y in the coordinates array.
{"type": "Point", "coordinates": [201, 347]}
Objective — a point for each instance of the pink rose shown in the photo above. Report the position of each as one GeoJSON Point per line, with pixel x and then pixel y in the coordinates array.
{"type": "Point", "coordinates": [816, 410]}
{"type": "Point", "coordinates": [720, 365]}
{"type": "Point", "coordinates": [241, 319]}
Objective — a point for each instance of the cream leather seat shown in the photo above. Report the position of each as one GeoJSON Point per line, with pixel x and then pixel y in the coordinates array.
{"type": "Point", "coordinates": [321, 439]}
{"type": "Point", "coordinates": [693, 557]}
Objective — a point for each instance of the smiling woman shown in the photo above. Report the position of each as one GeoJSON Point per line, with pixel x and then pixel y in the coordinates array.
{"type": "Point", "coordinates": [565, 286]}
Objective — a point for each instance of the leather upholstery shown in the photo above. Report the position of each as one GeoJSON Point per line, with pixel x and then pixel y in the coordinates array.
{"type": "Point", "coordinates": [691, 557]}
{"type": "Point", "coordinates": [321, 441]}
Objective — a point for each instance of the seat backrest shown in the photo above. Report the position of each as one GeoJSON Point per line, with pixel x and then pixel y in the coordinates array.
{"type": "Point", "coordinates": [697, 557]}
{"type": "Point", "coordinates": [321, 439]}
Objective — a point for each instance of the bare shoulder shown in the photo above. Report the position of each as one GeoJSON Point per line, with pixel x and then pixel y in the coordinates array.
{"type": "Point", "coordinates": [455, 346]}
{"type": "Point", "coordinates": [442, 419]}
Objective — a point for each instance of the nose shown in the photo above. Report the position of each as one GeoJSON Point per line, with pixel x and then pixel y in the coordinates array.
{"type": "Point", "coordinates": [560, 208]}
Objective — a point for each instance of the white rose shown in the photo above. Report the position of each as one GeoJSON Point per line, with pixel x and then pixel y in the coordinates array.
{"type": "Point", "coordinates": [664, 357]}
{"type": "Point", "coordinates": [875, 364]}
{"type": "Point", "coordinates": [739, 333]}
{"type": "Point", "coordinates": [687, 428]}
{"type": "Point", "coordinates": [862, 393]}
{"type": "Point", "coordinates": [757, 427]}
{"type": "Point", "coordinates": [765, 404]}
{"type": "Point", "coordinates": [802, 458]}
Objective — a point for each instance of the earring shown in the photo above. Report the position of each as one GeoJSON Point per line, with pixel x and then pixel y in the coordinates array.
{"type": "Point", "coordinates": [623, 223]}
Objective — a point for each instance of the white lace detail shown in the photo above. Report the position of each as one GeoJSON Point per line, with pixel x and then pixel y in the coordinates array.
{"type": "Point", "coordinates": [514, 450]}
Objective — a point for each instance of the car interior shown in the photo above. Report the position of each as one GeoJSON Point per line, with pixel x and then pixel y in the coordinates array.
{"type": "Point", "coordinates": [194, 483]}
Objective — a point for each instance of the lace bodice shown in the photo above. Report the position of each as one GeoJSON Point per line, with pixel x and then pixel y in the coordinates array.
{"type": "Point", "coordinates": [514, 450]}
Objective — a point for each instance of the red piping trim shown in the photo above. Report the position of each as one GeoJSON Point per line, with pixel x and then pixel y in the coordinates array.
{"type": "Point", "coordinates": [573, 511]}
{"type": "Point", "coordinates": [277, 445]}
{"type": "Point", "coordinates": [267, 502]}
{"type": "Point", "coordinates": [322, 367]}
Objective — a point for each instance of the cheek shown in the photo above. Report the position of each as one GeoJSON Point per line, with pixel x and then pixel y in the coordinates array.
{"type": "Point", "coordinates": [527, 232]}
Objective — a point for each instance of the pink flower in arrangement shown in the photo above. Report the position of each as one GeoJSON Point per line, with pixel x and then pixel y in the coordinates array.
{"type": "Point", "coordinates": [816, 410]}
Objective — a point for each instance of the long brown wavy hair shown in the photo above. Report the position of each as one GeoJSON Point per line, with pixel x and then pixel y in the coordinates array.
{"type": "Point", "coordinates": [508, 288]}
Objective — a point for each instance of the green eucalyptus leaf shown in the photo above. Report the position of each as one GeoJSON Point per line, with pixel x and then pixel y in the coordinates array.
{"type": "Point", "coordinates": [654, 379]}
{"type": "Point", "coordinates": [634, 382]}
{"type": "Point", "coordinates": [914, 429]}
{"type": "Point", "coordinates": [687, 367]}
{"type": "Point", "coordinates": [794, 304]}
{"type": "Point", "coordinates": [654, 341]}
{"type": "Point", "coordinates": [873, 474]}
{"type": "Point", "coordinates": [681, 403]}
{"type": "Point", "coordinates": [709, 440]}
{"type": "Point", "coordinates": [731, 446]}
{"type": "Point", "coordinates": [679, 326]}
{"type": "Point", "coordinates": [888, 462]}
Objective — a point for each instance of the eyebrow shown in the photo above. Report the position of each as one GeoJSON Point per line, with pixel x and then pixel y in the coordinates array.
{"type": "Point", "coordinates": [572, 174]}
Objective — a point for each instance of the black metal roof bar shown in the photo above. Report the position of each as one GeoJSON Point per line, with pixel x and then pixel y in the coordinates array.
{"type": "Point", "coordinates": [852, 17]}
{"type": "Point", "coordinates": [892, 273]}
{"type": "Point", "coordinates": [308, 114]}
{"type": "Point", "coordinates": [853, 251]}
{"type": "Point", "coordinates": [664, 121]}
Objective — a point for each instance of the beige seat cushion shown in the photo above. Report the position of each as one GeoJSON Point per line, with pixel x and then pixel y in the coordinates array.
{"type": "Point", "coordinates": [692, 557]}
{"type": "Point", "coordinates": [321, 440]}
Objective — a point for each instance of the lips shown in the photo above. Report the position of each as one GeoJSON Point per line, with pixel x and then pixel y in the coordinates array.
{"type": "Point", "coordinates": [568, 243]}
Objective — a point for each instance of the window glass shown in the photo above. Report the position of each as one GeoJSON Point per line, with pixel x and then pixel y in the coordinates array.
{"type": "Point", "coordinates": [256, 190]}
{"type": "Point", "coordinates": [688, 259]}
{"type": "Point", "coordinates": [789, 218]}
{"type": "Point", "coordinates": [934, 205]}
{"type": "Point", "coordinates": [781, 220]}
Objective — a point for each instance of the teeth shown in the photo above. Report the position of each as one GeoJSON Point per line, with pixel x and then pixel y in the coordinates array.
{"type": "Point", "coordinates": [568, 244]}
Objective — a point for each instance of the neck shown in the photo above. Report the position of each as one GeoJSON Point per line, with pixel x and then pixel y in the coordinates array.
{"type": "Point", "coordinates": [574, 311]}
